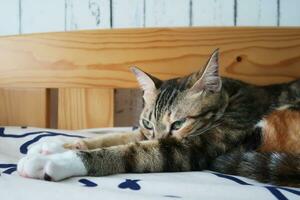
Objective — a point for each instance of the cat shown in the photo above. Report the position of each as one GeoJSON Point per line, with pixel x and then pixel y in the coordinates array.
{"type": "Point", "coordinates": [198, 122]}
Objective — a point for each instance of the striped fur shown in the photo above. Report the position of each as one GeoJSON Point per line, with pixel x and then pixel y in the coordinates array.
{"type": "Point", "coordinates": [202, 121]}
{"type": "Point", "coordinates": [268, 167]}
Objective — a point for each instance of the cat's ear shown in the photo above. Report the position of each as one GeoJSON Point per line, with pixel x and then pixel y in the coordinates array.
{"type": "Point", "coordinates": [210, 79]}
{"type": "Point", "coordinates": [149, 84]}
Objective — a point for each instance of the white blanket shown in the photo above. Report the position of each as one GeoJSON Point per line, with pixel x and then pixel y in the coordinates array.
{"type": "Point", "coordinates": [14, 142]}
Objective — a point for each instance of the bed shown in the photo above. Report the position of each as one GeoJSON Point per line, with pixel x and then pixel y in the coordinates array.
{"type": "Point", "coordinates": [65, 84]}
{"type": "Point", "coordinates": [15, 141]}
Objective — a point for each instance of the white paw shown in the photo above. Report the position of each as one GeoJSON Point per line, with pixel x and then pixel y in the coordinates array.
{"type": "Point", "coordinates": [51, 167]}
{"type": "Point", "coordinates": [47, 148]}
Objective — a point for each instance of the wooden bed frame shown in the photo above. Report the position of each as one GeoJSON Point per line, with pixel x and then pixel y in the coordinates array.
{"type": "Point", "coordinates": [67, 80]}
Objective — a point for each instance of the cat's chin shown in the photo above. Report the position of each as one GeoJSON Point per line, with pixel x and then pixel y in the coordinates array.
{"type": "Point", "coordinates": [53, 167]}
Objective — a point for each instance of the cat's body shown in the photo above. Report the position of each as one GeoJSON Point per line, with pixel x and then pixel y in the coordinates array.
{"type": "Point", "coordinates": [192, 123]}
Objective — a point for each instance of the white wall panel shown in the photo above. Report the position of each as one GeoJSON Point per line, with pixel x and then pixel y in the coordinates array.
{"type": "Point", "coordinates": [289, 13]}
{"type": "Point", "coordinates": [128, 13]}
{"type": "Point", "coordinates": [9, 17]}
{"type": "Point", "coordinates": [42, 16]}
{"type": "Point", "coordinates": [31, 16]}
{"type": "Point", "coordinates": [87, 14]}
{"type": "Point", "coordinates": [160, 13]}
{"type": "Point", "coordinates": [256, 13]}
{"type": "Point", "coordinates": [213, 13]}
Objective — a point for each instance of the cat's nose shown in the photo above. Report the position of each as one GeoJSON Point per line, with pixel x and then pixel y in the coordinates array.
{"type": "Point", "coordinates": [161, 135]}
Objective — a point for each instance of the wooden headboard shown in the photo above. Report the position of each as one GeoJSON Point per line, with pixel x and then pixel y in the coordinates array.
{"type": "Point", "coordinates": [67, 80]}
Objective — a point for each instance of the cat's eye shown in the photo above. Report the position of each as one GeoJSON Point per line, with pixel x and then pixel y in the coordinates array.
{"type": "Point", "coordinates": [147, 124]}
{"type": "Point", "coordinates": [177, 124]}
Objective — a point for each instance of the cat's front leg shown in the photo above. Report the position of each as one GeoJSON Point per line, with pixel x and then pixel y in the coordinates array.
{"type": "Point", "coordinates": [106, 140]}
{"type": "Point", "coordinates": [164, 155]}
{"type": "Point", "coordinates": [99, 162]}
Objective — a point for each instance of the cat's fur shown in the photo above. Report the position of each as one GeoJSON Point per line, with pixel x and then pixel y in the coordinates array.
{"type": "Point", "coordinates": [201, 121]}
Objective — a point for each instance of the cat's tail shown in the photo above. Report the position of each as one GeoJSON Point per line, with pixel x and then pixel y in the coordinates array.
{"type": "Point", "coordinates": [274, 168]}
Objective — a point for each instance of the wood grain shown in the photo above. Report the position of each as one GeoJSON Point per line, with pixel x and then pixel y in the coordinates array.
{"type": "Point", "coordinates": [19, 107]}
{"type": "Point", "coordinates": [127, 102]}
{"type": "Point", "coordinates": [101, 58]}
{"type": "Point", "coordinates": [85, 108]}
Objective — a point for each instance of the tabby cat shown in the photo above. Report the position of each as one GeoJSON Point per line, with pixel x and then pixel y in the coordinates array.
{"type": "Point", "coordinates": [201, 121]}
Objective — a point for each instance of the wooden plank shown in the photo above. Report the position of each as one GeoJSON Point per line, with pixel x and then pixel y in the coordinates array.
{"type": "Point", "coordinates": [160, 13]}
{"type": "Point", "coordinates": [213, 13]}
{"type": "Point", "coordinates": [19, 107]}
{"type": "Point", "coordinates": [127, 102]}
{"type": "Point", "coordinates": [128, 13]}
{"type": "Point", "coordinates": [42, 16]}
{"type": "Point", "coordinates": [9, 10]}
{"type": "Point", "coordinates": [26, 107]}
{"type": "Point", "coordinates": [85, 108]}
{"type": "Point", "coordinates": [289, 13]}
{"type": "Point", "coordinates": [256, 13]}
{"type": "Point", "coordinates": [101, 58]}
{"type": "Point", "coordinates": [87, 14]}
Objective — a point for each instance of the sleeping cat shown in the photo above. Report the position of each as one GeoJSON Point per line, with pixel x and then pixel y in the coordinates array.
{"type": "Point", "coordinates": [201, 121]}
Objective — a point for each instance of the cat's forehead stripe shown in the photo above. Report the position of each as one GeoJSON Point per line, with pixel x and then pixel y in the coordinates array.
{"type": "Point", "coordinates": [172, 97]}
{"type": "Point", "coordinates": [160, 103]}
{"type": "Point", "coordinates": [150, 115]}
{"type": "Point", "coordinates": [168, 93]}
{"type": "Point", "coordinates": [164, 101]}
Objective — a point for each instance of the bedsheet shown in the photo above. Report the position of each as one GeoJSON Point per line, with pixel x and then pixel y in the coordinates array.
{"type": "Point", "coordinates": [15, 141]}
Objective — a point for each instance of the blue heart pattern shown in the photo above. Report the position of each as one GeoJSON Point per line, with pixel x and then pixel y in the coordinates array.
{"type": "Point", "coordinates": [130, 184]}
{"type": "Point", "coordinates": [87, 182]}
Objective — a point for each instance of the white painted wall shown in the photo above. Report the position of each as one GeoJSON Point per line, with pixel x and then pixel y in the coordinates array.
{"type": "Point", "coordinates": [9, 17]}
{"type": "Point", "coordinates": [31, 16]}
{"type": "Point", "coordinates": [257, 12]}
{"type": "Point", "coordinates": [212, 13]}
{"type": "Point", "coordinates": [86, 14]}
{"type": "Point", "coordinates": [289, 13]}
{"type": "Point", "coordinates": [41, 16]}
{"type": "Point", "coordinates": [128, 13]}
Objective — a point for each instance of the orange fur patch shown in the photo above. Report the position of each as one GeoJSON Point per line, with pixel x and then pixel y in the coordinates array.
{"type": "Point", "coordinates": [281, 132]}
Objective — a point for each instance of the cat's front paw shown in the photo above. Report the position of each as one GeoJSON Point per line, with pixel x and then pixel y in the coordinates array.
{"type": "Point", "coordinates": [47, 148]}
{"type": "Point", "coordinates": [51, 167]}
{"type": "Point", "coordinates": [76, 145]}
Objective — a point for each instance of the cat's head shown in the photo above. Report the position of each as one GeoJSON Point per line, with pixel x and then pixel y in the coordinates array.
{"type": "Point", "coordinates": [183, 106]}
